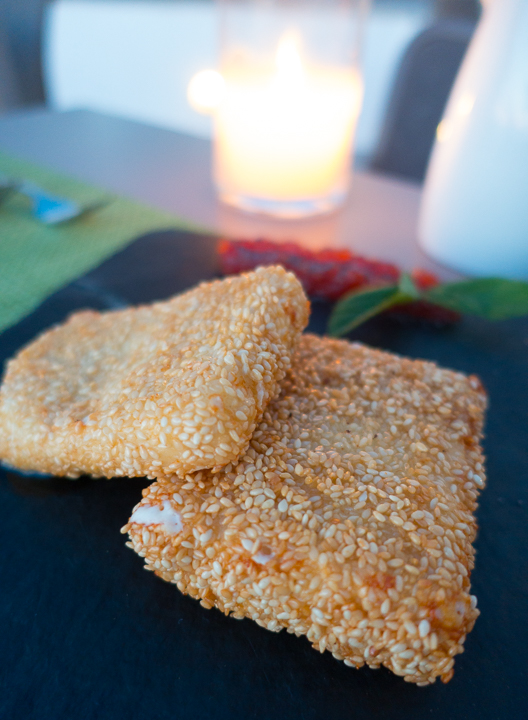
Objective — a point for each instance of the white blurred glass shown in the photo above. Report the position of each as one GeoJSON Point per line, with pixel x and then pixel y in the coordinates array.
{"type": "Point", "coordinates": [474, 214]}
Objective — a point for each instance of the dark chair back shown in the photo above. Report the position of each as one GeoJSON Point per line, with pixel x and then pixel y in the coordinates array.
{"type": "Point", "coordinates": [419, 95]}
{"type": "Point", "coordinates": [20, 53]}
{"type": "Point", "coordinates": [9, 90]}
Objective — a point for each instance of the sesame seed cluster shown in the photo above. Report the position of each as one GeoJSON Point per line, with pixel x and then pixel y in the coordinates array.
{"type": "Point", "coordinates": [348, 519]}
{"type": "Point", "coordinates": [172, 387]}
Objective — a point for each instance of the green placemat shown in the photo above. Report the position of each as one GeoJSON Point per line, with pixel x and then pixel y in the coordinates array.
{"type": "Point", "coordinates": [36, 260]}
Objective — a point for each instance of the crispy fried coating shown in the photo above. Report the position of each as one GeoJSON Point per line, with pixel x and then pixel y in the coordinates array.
{"type": "Point", "coordinates": [350, 517]}
{"type": "Point", "coordinates": [170, 387]}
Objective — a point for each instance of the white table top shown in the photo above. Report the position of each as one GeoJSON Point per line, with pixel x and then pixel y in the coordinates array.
{"type": "Point", "coordinates": [171, 171]}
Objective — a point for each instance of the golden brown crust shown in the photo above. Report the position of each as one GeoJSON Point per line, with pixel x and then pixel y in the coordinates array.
{"type": "Point", "coordinates": [175, 386]}
{"type": "Point", "coordinates": [349, 519]}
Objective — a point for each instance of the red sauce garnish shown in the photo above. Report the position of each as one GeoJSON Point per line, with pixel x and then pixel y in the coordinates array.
{"type": "Point", "coordinates": [331, 273]}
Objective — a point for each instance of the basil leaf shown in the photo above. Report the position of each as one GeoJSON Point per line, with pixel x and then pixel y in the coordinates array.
{"type": "Point", "coordinates": [407, 286]}
{"type": "Point", "coordinates": [356, 307]}
{"type": "Point", "coordinates": [491, 298]}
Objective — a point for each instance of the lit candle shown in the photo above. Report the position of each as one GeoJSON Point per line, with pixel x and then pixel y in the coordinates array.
{"type": "Point", "coordinates": [284, 133]}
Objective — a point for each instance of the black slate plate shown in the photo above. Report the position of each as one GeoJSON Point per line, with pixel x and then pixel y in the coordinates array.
{"type": "Point", "coordinates": [87, 633]}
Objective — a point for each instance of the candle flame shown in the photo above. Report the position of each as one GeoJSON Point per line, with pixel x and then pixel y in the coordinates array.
{"type": "Point", "coordinates": [288, 59]}
{"type": "Point", "coordinates": [284, 126]}
{"type": "Point", "coordinates": [205, 91]}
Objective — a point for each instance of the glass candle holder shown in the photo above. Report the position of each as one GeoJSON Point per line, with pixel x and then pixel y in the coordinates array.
{"type": "Point", "coordinates": [284, 127]}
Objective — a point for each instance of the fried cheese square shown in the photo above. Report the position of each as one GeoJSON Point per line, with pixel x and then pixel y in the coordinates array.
{"type": "Point", "coordinates": [349, 519]}
{"type": "Point", "coordinates": [171, 387]}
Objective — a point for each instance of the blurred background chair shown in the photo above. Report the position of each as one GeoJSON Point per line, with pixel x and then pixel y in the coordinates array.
{"type": "Point", "coordinates": [21, 81]}
{"type": "Point", "coordinates": [420, 92]}
{"type": "Point", "coordinates": [134, 58]}
{"type": "Point", "coordinates": [9, 85]}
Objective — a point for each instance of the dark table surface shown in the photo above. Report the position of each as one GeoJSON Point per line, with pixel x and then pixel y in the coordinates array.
{"type": "Point", "coordinates": [86, 633]}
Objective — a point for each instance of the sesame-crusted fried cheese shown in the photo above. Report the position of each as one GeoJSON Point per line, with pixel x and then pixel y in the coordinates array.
{"type": "Point", "coordinates": [172, 387]}
{"type": "Point", "coordinates": [349, 518]}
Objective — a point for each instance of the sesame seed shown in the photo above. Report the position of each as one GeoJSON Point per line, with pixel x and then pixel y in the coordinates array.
{"type": "Point", "coordinates": [395, 562]}
{"type": "Point", "coordinates": [411, 569]}
{"type": "Point", "coordinates": [424, 628]}
{"type": "Point", "coordinates": [398, 648]}
{"type": "Point", "coordinates": [410, 627]}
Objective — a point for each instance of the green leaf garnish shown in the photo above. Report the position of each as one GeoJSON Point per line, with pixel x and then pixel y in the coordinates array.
{"type": "Point", "coordinates": [360, 305]}
{"type": "Point", "coordinates": [490, 298]}
{"type": "Point", "coordinates": [408, 288]}
{"type": "Point", "coordinates": [357, 307]}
